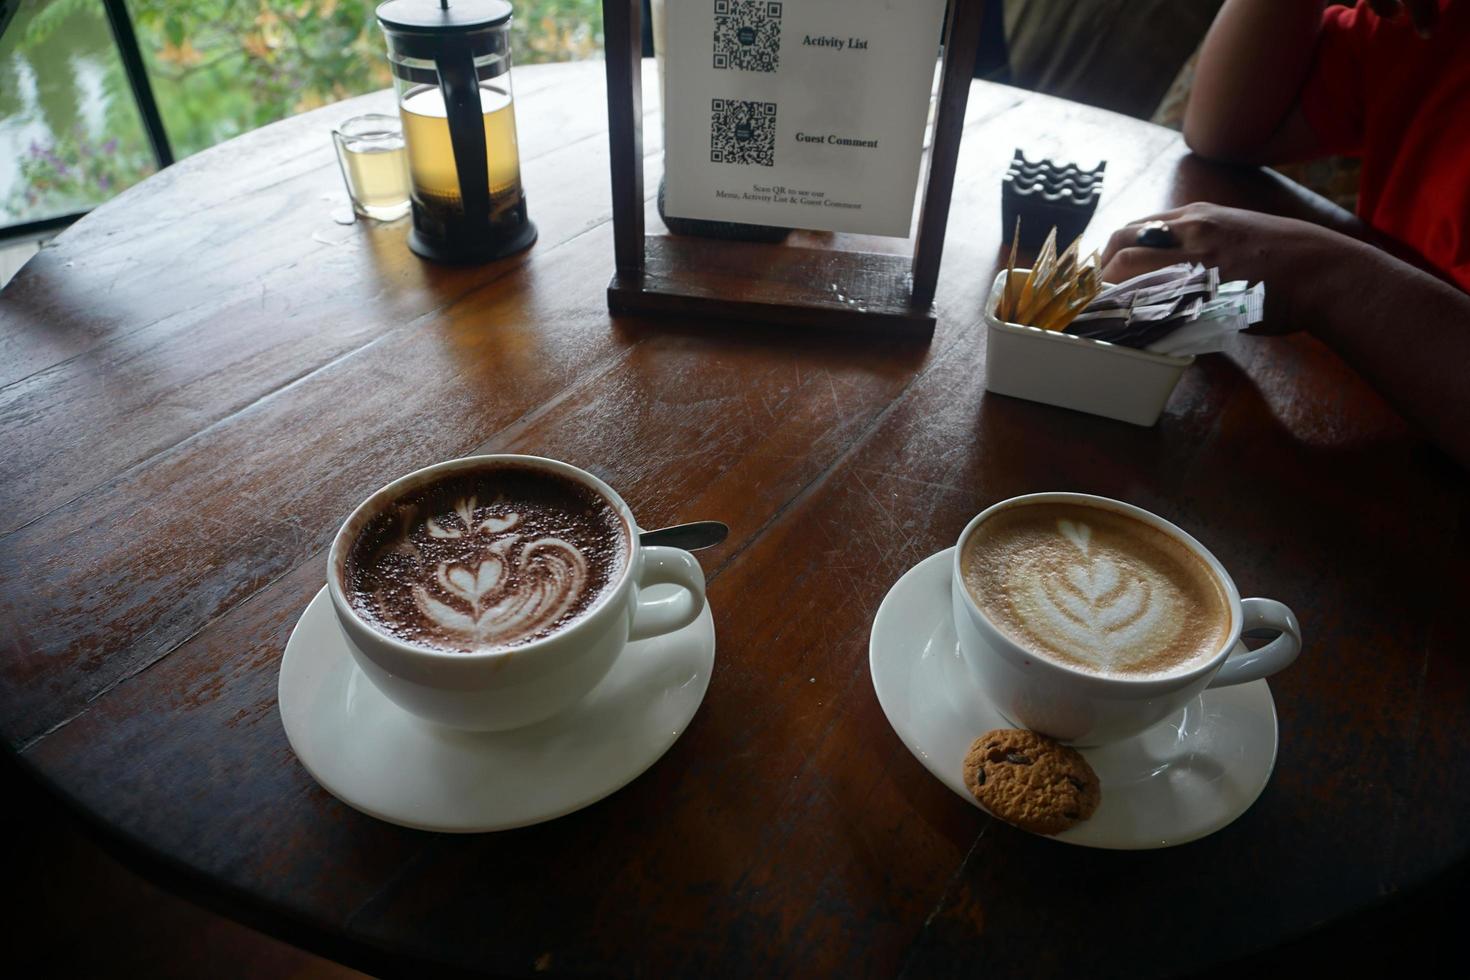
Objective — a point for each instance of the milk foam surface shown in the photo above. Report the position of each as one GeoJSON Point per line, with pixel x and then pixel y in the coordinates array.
{"type": "Point", "coordinates": [489, 559]}
{"type": "Point", "coordinates": [1095, 588]}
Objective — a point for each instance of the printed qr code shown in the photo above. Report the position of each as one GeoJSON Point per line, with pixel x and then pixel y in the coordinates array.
{"type": "Point", "coordinates": [742, 132]}
{"type": "Point", "coordinates": [747, 35]}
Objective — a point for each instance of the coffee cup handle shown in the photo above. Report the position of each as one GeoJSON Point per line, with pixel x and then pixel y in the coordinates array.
{"type": "Point", "coordinates": [667, 566]}
{"type": "Point", "coordinates": [1245, 664]}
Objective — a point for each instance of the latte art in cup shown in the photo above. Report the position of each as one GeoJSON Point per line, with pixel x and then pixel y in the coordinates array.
{"type": "Point", "coordinates": [1095, 589]}
{"type": "Point", "coordinates": [487, 559]}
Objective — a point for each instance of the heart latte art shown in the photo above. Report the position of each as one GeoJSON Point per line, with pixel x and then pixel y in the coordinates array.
{"type": "Point", "coordinates": [1095, 588]}
{"type": "Point", "coordinates": [512, 585]}
{"type": "Point", "coordinates": [486, 560]}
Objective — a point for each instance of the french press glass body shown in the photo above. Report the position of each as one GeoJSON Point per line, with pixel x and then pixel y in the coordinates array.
{"type": "Point", "coordinates": [451, 69]}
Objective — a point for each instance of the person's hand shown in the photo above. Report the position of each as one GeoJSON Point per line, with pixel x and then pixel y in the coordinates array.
{"type": "Point", "coordinates": [1424, 14]}
{"type": "Point", "coordinates": [1244, 245]}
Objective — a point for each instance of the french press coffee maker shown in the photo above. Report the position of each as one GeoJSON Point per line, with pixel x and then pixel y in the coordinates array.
{"type": "Point", "coordinates": [451, 70]}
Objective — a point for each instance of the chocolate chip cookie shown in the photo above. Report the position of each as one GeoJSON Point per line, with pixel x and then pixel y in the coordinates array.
{"type": "Point", "coordinates": [1031, 781]}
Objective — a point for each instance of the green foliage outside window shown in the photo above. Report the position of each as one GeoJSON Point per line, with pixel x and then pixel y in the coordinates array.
{"type": "Point", "coordinates": [223, 67]}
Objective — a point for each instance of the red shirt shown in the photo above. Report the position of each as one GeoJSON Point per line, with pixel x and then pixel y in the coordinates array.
{"type": "Point", "coordinates": [1401, 103]}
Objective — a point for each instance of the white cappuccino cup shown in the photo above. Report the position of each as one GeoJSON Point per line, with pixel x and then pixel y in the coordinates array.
{"type": "Point", "coordinates": [1044, 693]}
{"type": "Point", "coordinates": [498, 689]}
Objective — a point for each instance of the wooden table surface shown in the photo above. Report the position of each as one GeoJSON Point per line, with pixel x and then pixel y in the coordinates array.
{"type": "Point", "coordinates": [200, 379]}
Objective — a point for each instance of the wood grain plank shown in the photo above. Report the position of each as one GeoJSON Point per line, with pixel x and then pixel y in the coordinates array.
{"type": "Point", "coordinates": [275, 324]}
{"type": "Point", "coordinates": [1285, 858]}
{"type": "Point", "coordinates": [759, 431]}
{"type": "Point", "coordinates": [623, 25]}
{"type": "Point", "coordinates": [865, 293]}
{"type": "Point", "coordinates": [788, 832]}
{"type": "Point", "coordinates": [806, 590]}
{"type": "Point", "coordinates": [961, 38]}
{"type": "Point", "coordinates": [351, 417]}
{"type": "Point", "coordinates": [211, 520]}
{"type": "Point", "coordinates": [150, 253]}
{"type": "Point", "coordinates": [184, 367]}
{"type": "Point", "coordinates": [934, 452]}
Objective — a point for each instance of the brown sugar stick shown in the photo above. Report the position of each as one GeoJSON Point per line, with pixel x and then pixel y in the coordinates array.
{"type": "Point", "coordinates": [1054, 308]}
{"type": "Point", "coordinates": [1040, 273]}
{"type": "Point", "coordinates": [1010, 296]}
{"type": "Point", "coordinates": [1060, 281]}
{"type": "Point", "coordinates": [1089, 281]}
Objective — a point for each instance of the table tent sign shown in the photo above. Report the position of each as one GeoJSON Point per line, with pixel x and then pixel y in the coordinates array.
{"type": "Point", "coordinates": [800, 113]}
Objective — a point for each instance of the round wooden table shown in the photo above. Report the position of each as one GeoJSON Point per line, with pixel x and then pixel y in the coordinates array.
{"type": "Point", "coordinates": [202, 377]}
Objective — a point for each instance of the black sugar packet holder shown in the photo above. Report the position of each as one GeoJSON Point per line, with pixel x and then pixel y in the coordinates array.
{"type": "Point", "coordinates": [1043, 195]}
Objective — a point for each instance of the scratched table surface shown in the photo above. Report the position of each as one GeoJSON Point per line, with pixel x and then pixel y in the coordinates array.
{"type": "Point", "coordinates": [201, 378]}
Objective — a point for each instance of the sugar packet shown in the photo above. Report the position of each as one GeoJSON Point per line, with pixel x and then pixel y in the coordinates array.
{"type": "Point", "coordinates": [1181, 309]}
{"type": "Point", "coordinates": [1229, 313]}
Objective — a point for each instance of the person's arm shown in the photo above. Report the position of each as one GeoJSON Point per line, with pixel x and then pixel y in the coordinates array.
{"type": "Point", "coordinates": [1244, 105]}
{"type": "Point", "coordinates": [1405, 331]}
{"type": "Point", "coordinates": [1246, 102]}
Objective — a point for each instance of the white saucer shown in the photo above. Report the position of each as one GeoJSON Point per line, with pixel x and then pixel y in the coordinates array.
{"type": "Point", "coordinates": [1183, 779]}
{"type": "Point", "coordinates": [374, 756]}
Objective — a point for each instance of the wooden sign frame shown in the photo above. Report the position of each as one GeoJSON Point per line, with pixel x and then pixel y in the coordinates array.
{"type": "Point", "coordinates": [774, 283]}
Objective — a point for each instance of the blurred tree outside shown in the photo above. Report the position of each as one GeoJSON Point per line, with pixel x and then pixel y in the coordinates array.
{"type": "Point", "coordinates": [219, 68]}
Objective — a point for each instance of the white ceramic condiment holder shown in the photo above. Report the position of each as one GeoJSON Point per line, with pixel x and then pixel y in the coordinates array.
{"type": "Point", "coordinates": [1076, 372]}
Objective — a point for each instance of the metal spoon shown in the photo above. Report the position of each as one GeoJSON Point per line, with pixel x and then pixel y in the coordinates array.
{"type": "Point", "coordinates": [690, 537]}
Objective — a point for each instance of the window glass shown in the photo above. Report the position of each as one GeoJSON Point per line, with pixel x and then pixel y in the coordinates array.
{"type": "Point", "coordinates": [70, 134]}
{"type": "Point", "coordinates": [224, 67]}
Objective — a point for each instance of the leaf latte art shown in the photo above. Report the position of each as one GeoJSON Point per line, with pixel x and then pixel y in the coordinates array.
{"type": "Point", "coordinates": [1095, 588]}
{"type": "Point", "coordinates": [487, 561]}
{"type": "Point", "coordinates": [1094, 609]}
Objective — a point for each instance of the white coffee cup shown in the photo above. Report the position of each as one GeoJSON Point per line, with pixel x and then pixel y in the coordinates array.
{"type": "Point", "coordinates": [495, 690]}
{"type": "Point", "coordinates": [1084, 708]}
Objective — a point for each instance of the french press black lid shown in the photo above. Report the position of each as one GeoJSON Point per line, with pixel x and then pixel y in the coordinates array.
{"type": "Point", "coordinates": [449, 53]}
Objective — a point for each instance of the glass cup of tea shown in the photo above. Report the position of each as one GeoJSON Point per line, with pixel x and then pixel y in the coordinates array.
{"type": "Point", "coordinates": [374, 165]}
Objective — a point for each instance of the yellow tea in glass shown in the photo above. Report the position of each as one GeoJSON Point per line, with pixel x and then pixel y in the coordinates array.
{"type": "Point", "coordinates": [374, 165]}
{"type": "Point", "coordinates": [431, 154]}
